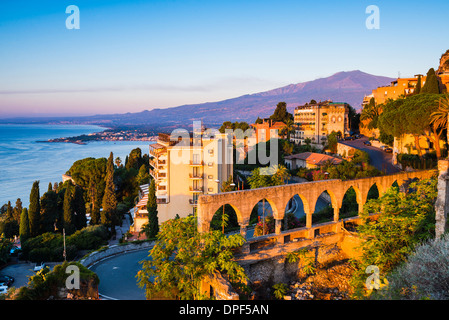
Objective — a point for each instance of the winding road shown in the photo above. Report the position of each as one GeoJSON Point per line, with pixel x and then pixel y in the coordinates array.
{"type": "Point", "coordinates": [378, 158]}
{"type": "Point", "coordinates": [118, 276]}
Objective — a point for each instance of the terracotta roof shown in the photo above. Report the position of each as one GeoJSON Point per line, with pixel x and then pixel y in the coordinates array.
{"type": "Point", "coordinates": [314, 158]}
{"type": "Point", "coordinates": [143, 201]}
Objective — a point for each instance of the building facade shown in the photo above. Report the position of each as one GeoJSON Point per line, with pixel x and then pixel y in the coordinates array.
{"type": "Point", "coordinates": [187, 167]}
{"type": "Point", "coordinates": [267, 129]}
{"type": "Point", "coordinates": [317, 121]}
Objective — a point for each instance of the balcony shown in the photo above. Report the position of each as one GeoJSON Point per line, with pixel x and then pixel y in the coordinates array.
{"type": "Point", "coordinates": [193, 202]}
{"type": "Point", "coordinates": [197, 163]}
{"type": "Point", "coordinates": [196, 189]}
{"type": "Point", "coordinates": [196, 176]}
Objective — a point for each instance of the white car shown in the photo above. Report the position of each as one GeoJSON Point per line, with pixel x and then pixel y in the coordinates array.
{"type": "Point", "coordinates": [3, 288]}
{"type": "Point", "coordinates": [38, 267]}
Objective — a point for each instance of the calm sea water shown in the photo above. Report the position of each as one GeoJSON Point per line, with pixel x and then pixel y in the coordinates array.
{"type": "Point", "coordinates": [23, 160]}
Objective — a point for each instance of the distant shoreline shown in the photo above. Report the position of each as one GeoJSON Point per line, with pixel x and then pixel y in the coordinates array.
{"type": "Point", "coordinates": [106, 135]}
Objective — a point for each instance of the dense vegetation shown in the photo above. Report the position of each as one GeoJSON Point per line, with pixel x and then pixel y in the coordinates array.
{"type": "Point", "coordinates": [405, 220]}
{"type": "Point", "coordinates": [182, 257]}
{"type": "Point", "coordinates": [103, 188]}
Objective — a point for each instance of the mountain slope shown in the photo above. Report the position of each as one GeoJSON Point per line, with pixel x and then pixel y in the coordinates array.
{"type": "Point", "coordinates": [348, 87]}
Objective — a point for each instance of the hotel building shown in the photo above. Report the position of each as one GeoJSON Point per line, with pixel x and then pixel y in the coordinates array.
{"type": "Point", "coordinates": [184, 168]}
{"type": "Point", "coordinates": [316, 121]}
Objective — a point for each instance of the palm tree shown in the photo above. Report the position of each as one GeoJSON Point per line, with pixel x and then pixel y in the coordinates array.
{"type": "Point", "coordinates": [289, 127]}
{"type": "Point", "coordinates": [439, 118]}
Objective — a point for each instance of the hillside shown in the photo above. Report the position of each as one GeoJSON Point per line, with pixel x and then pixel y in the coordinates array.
{"type": "Point", "coordinates": [348, 87]}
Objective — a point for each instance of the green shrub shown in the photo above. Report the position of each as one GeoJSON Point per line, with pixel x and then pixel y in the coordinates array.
{"type": "Point", "coordinates": [425, 275]}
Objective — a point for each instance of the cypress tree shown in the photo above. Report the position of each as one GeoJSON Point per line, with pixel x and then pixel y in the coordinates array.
{"type": "Point", "coordinates": [49, 211]}
{"type": "Point", "coordinates": [431, 85]}
{"type": "Point", "coordinates": [79, 207]}
{"type": "Point", "coordinates": [153, 221]}
{"type": "Point", "coordinates": [24, 229]}
{"type": "Point", "coordinates": [109, 204]}
{"type": "Point", "coordinates": [34, 210]}
{"type": "Point", "coordinates": [68, 209]}
{"type": "Point", "coordinates": [17, 211]}
{"type": "Point", "coordinates": [50, 187]}
{"type": "Point", "coordinates": [9, 212]}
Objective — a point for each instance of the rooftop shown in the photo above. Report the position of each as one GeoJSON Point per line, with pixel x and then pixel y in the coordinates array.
{"type": "Point", "coordinates": [318, 159]}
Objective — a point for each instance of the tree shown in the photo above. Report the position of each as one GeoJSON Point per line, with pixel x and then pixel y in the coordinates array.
{"type": "Point", "coordinates": [288, 128]}
{"type": "Point", "coordinates": [17, 211]}
{"type": "Point", "coordinates": [431, 85]}
{"type": "Point", "coordinates": [439, 118]}
{"type": "Point", "coordinates": [24, 231]}
{"type": "Point", "coordinates": [109, 204]}
{"type": "Point", "coordinates": [89, 174]}
{"type": "Point", "coordinates": [49, 211]}
{"type": "Point", "coordinates": [68, 211]}
{"type": "Point", "coordinates": [143, 176]}
{"type": "Point", "coordinates": [405, 220]}
{"type": "Point", "coordinates": [153, 221]}
{"type": "Point", "coordinates": [79, 208]}
{"type": "Point", "coordinates": [34, 211]}
{"type": "Point", "coordinates": [417, 111]}
{"type": "Point", "coordinates": [370, 115]}
{"type": "Point", "coordinates": [134, 159]}
{"type": "Point", "coordinates": [281, 113]}
{"type": "Point", "coordinates": [8, 226]}
{"type": "Point", "coordinates": [182, 257]}
{"type": "Point", "coordinates": [332, 142]}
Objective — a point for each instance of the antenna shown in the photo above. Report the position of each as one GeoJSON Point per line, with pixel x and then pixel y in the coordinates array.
{"type": "Point", "coordinates": [399, 74]}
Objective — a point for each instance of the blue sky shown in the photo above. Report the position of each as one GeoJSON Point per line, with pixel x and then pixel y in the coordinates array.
{"type": "Point", "coordinates": [129, 56]}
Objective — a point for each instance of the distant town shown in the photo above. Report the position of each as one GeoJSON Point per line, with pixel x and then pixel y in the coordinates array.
{"type": "Point", "coordinates": [107, 135]}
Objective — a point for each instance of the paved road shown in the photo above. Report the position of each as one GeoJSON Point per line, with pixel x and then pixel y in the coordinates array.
{"type": "Point", "coordinates": [118, 276]}
{"type": "Point", "coordinates": [22, 271]}
{"type": "Point", "coordinates": [378, 158]}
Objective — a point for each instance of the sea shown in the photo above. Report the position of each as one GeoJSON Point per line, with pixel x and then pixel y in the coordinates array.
{"type": "Point", "coordinates": [23, 160]}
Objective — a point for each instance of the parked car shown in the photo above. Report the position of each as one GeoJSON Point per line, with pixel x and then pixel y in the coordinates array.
{"type": "Point", "coordinates": [40, 266]}
{"type": "Point", "coordinates": [6, 280]}
{"type": "Point", "coordinates": [388, 150]}
{"type": "Point", "coordinates": [3, 289]}
{"type": "Point", "coordinates": [366, 143]}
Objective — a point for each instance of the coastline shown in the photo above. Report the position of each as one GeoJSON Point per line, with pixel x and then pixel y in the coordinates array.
{"type": "Point", "coordinates": [106, 135]}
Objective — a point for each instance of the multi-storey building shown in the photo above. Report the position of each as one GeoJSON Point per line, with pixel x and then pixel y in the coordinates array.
{"type": "Point", "coordinates": [267, 129]}
{"type": "Point", "coordinates": [185, 168]}
{"type": "Point", "coordinates": [317, 120]}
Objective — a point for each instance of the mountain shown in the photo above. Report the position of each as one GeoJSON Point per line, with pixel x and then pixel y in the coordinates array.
{"type": "Point", "coordinates": [350, 87]}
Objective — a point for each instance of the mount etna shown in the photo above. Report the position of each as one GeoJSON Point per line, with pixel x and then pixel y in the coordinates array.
{"type": "Point", "coordinates": [350, 87]}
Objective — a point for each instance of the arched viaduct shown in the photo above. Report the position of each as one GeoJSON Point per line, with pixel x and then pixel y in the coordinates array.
{"type": "Point", "coordinates": [243, 201]}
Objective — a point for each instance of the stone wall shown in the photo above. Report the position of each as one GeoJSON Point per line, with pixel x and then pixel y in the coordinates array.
{"type": "Point", "coordinates": [112, 251]}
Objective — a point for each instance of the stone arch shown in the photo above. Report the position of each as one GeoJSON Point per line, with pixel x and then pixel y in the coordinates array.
{"type": "Point", "coordinates": [265, 218]}
{"type": "Point", "coordinates": [352, 201]}
{"type": "Point", "coordinates": [327, 213]}
{"type": "Point", "coordinates": [213, 209]}
{"type": "Point", "coordinates": [272, 204]}
{"type": "Point", "coordinates": [372, 193]}
{"type": "Point", "coordinates": [216, 222]}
